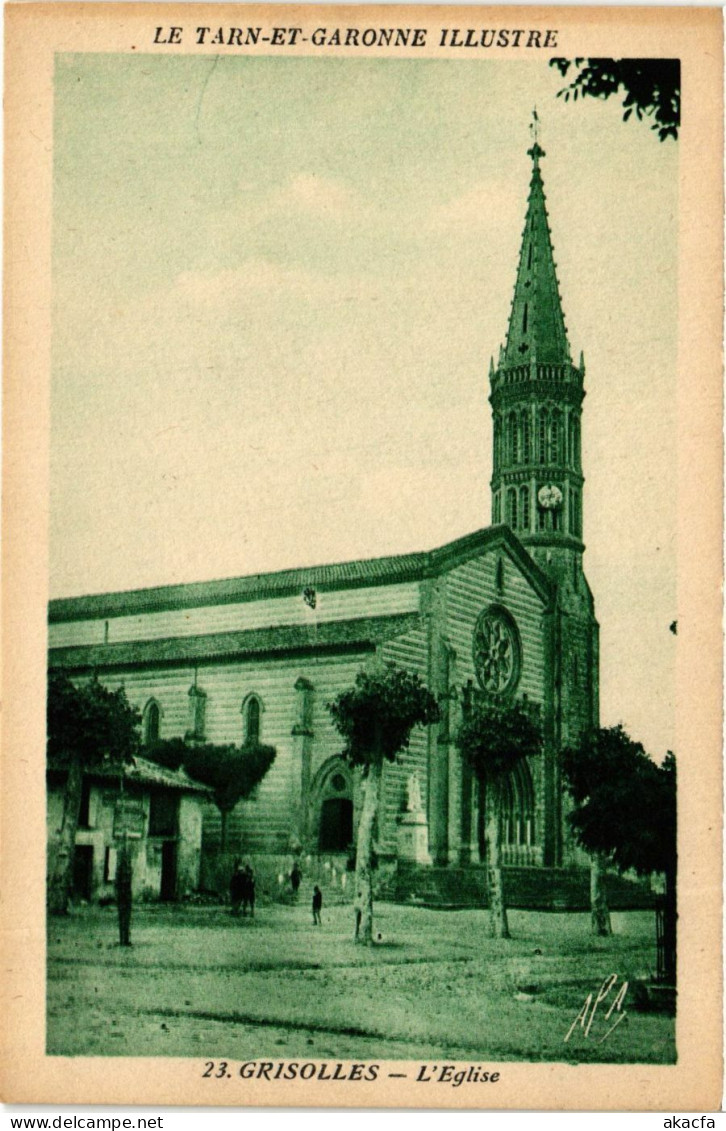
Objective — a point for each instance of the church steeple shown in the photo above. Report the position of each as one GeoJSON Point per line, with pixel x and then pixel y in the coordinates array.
{"type": "Point", "coordinates": [536, 324]}
{"type": "Point", "coordinates": [536, 398]}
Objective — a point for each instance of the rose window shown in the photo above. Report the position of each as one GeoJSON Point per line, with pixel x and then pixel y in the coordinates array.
{"type": "Point", "coordinates": [496, 652]}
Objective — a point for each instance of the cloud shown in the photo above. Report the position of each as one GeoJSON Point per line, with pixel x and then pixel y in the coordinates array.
{"type": "Point", "coordinates": [255, 276]}
{"type": "Point", "coordinates": [308, 192]}
{"type": "Point", "coordinates": [305, 195]}
{"type": "Point", "coordinates": [475, 208]}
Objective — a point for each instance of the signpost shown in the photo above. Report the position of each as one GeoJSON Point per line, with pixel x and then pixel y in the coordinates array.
{"type": "Point", "coordinates": [129, 819]}
{"type": "Point", "coordinates": [129, 823]}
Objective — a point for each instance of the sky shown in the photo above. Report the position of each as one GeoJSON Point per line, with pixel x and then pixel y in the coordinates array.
{"type": "Point", "coordinates": [277, 284]}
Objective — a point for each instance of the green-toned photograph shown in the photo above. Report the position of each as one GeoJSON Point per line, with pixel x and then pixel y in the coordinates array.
{"type": "Point", "coordinates": [362, 622]}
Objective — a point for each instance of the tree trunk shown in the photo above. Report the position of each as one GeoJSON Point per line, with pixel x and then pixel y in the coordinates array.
{"type": "Point", "coordinates": [364, 856]}
{"type": "Point", "coordinates": [599, 912]}
{"type": "Point", "coordinates": [59, 887]}
{"type": "Point", "coordinates": [497, 907]}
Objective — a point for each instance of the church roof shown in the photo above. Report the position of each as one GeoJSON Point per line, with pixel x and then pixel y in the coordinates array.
{"type": "Point", "coordinates": [537, 329]}
{"type": "Point", "coordinates": [358, 634]}
{"type": "Point", "coordinates": [339, 575]}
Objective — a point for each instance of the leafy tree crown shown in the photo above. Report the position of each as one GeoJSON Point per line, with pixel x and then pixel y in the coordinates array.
{"type": "Point", "coordinates": [231, 771]}
{"type": "Point", "coordinates": [625, 804]}
{"type": "Point", "coordinates": [651, 87]}
{"type": "Point", "coordinates": [493, 737]}
{"type": "Point", "coordinates": [377, 715]}
{"type": "Point", "coordinates": [89, 722]}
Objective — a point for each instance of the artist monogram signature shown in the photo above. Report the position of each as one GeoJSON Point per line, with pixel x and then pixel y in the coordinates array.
{"type": "Point", "coordinates": [592, 1003]}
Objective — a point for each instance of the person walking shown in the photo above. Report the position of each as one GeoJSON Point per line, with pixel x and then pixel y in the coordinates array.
{"type": "Point", "coordinates": [317, 906]}
{"type": "Point", "coordinates": [295, 877]}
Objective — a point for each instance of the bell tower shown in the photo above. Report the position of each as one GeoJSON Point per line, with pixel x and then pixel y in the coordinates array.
{"type": "Point", "coordinates": [536, 398]}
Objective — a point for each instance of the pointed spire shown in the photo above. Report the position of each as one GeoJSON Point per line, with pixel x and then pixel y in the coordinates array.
{"type": "Point", "coordinates": [536, 325]}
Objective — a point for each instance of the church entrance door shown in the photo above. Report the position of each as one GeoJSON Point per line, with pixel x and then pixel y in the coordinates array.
{"type": "Point", "coordinates": [332, 808]}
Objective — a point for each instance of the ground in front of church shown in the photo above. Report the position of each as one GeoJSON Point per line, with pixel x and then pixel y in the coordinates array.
{"type": "Point", "coordinates": [199, 983]}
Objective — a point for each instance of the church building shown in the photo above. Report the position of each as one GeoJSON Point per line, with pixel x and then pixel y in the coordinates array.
{"type": "Point", "coordinates": [506, 608]}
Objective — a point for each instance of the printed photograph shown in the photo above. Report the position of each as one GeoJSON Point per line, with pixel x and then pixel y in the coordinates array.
{"type": "Point", "coordinates": [363, 549]}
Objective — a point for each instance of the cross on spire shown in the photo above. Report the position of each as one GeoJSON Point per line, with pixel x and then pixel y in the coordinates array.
{"type": "Point", "coordinates": [534, 127]}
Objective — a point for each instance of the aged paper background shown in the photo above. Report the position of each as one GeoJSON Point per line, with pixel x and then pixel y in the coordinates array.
{"type": "Point", "coordinates": [34, 34]}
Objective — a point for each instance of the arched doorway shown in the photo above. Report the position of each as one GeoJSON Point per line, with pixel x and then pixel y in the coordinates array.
{"type": "Point", "coordinates": [516, 819]}
{"type": "Point", "coordinates": [332, 824]}
{"type": "Point", "coordinates": [516, 822]}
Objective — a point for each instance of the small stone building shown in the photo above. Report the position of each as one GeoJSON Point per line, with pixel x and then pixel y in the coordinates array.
{"type": "Point", "coordinates": [160, 812]}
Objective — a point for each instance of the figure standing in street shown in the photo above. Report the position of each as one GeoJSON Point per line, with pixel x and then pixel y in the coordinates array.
{"type": "Point", "coordinates": [237, 886]}
{"type": "Point", "coordinates": [124, 878]}
{"type": "Point", "coordinates": [317, 906]}
{"type": "Point", "coordinates": [295, 877]}
{"type": "Point", "coordinates": [248, 897]}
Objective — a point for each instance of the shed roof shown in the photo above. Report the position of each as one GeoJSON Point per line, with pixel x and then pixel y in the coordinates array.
{"type": "Point", "coordinates": [142, 772]}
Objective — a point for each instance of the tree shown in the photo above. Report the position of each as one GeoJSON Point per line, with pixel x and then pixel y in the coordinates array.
{"type": "Point", "coordinates": [625, 808]}
{"type": "Point", "coordinates": [87, 725]}
{"type": "Point", "coordinates": [493, 738]}
{"type": "Point", "coordinates": [651, 87]}
{"type": "Point", "coordinates": [375, 718]}
{"type": "Point", "coordinates": [231, 771]}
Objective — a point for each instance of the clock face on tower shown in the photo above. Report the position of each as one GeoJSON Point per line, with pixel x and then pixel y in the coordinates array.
{"type": "Point", "coordinates": [549, 497]}
{"type": "Point", "coordinates": [497, 651]}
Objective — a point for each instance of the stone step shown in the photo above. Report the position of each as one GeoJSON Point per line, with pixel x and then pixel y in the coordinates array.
{"type": "Point", "coordinates": [552, 889]}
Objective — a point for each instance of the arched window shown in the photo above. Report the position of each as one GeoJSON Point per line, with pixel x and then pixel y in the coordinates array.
{"type": "Point", "coordinates": [512, 438]}
{"type": "Point", "coordinates": [499, 577]}
{"type": "Point", "coordinates": [576, 442]}
{"type": "Point", "coordinates": [542, 437]}
{"type": "Point", "coordinates": [151, 722]}
{"type": "Point", "coordinates": [526, 437]}
{"type": "Point", "coordinates": [512, 507]}
{"type": "Point", "coordinates": [541, 518]}
{"type": "Point", "coordinates": [497, 508]}
{"type": "Point", "coordinates": [524, 318]}
{"type": "Point", "coordinates": [524, 507]}
{"type": "Point", "coordinates": [251, 713]}
{"type": "Point", "coordinates": [555, 437]}
{"type": "Point", "coordinates": [497, 442]}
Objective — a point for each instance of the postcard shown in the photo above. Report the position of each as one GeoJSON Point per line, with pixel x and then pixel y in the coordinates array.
{"type": "Point", "coordinates": [362, 556]}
